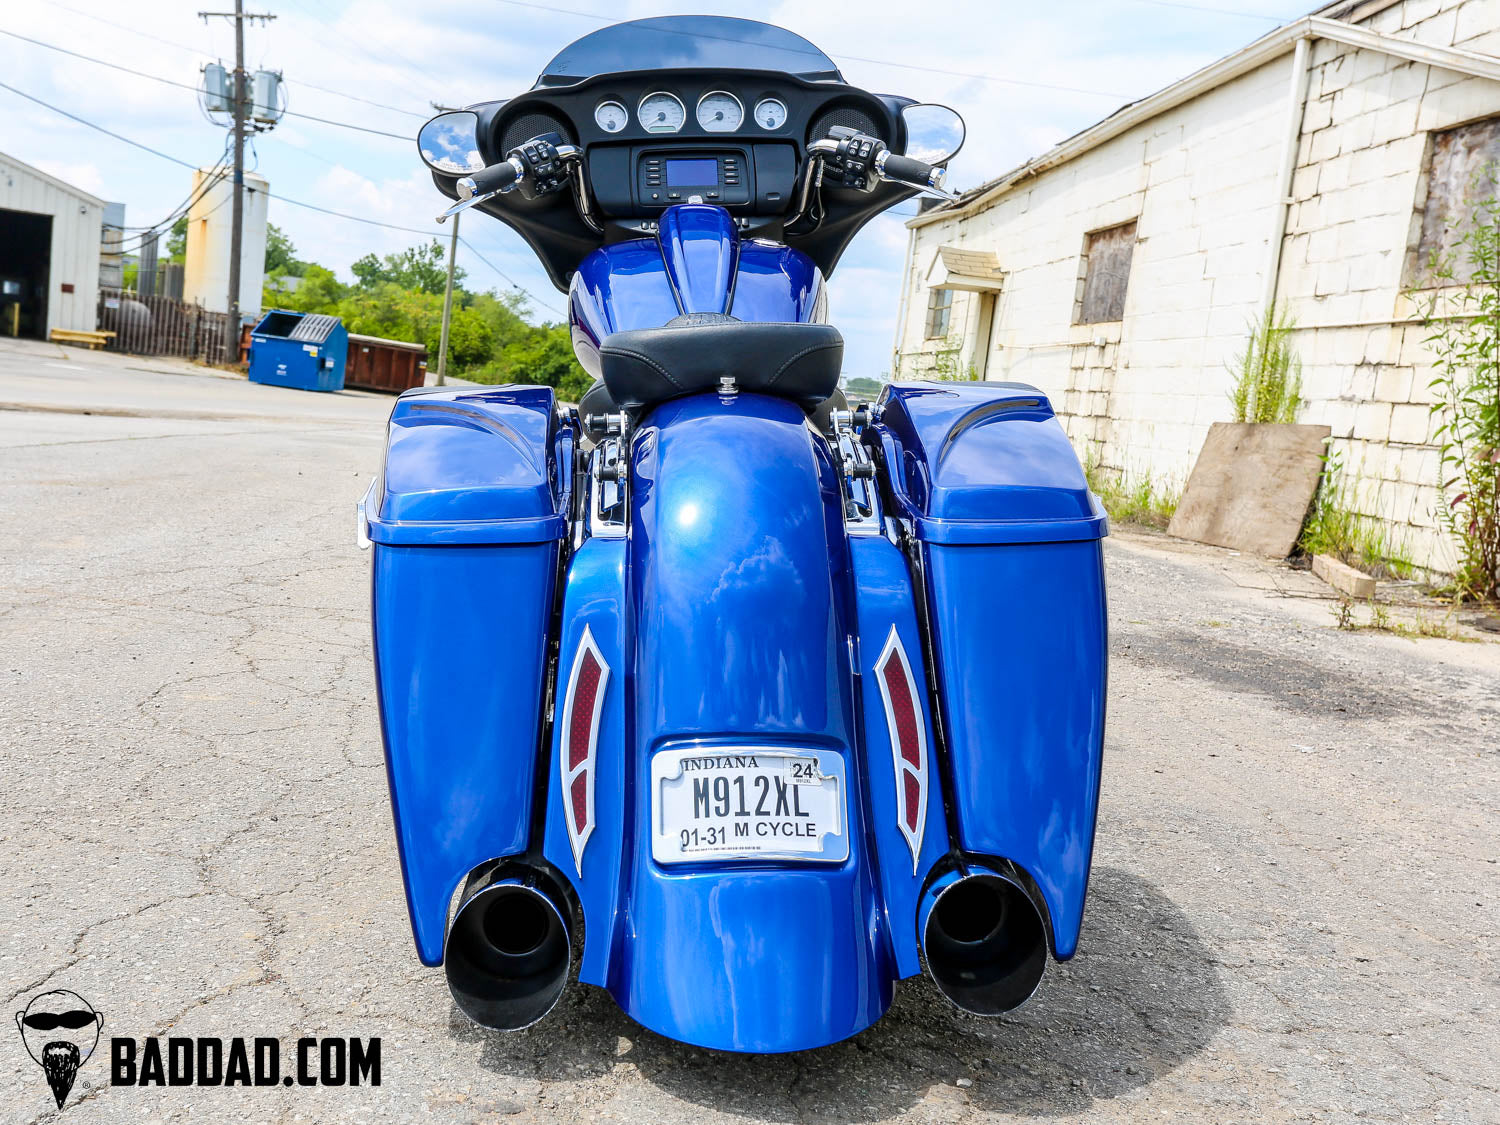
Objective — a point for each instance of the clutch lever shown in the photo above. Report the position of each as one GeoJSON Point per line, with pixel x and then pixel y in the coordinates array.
{"type": "Point", "coordinates": [514, 170]}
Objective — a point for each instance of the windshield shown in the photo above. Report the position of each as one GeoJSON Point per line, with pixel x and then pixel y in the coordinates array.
{"type": "Point", "coordinates": [675, 42]}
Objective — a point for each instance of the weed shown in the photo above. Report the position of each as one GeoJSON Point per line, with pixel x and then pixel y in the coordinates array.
{"type": "Point", "coordinates": [1140, 501]}
{"type": "Point", "coordinates": [1267, 374]}
{"type": "Point", "coordinates": [1343, 613]}
{"type": "Point", "coordinates": [1334, 528]}
{"type": "Point", "coordinates": [1464, 318]}
{"type": "Point", "coordinates": [946, 365]}
{"type": "Point", "coordinates": [1382, 621]}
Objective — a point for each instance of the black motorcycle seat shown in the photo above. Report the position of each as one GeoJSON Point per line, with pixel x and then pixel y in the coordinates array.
{"type": "Point", "coordinates": [645, 366]}
{"type": "Point", "coordinates": [597, 404]}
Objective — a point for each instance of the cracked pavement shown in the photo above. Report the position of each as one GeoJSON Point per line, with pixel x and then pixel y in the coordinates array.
{"type": "Point", "coordinates": [1293, 915]}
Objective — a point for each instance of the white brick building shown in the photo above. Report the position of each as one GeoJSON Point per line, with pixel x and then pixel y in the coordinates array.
{"type": "Point", "coordinates": [1348, 116]}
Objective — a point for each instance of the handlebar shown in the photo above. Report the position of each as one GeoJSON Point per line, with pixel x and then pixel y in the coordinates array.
{"type": "Point", "coordinates": [496, 177]}
{"type": "Point", "coordinates": [908, 170]}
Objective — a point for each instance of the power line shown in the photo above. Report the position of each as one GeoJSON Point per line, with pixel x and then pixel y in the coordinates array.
{"type": "Point", "coordinates": [513, 282]}
{"type": "Point", "coordinates": [603, 22]}
{"type": "Point", "coordinates": [199, 53]}
{"type": "Point", "coordinates": [380, 58]}
{"type": "Point", "coordinates": [194, 89]}
{"type": "Point", "coordinates": [269, 195]}
{"type": "Point", "coordinates": [100, 128]}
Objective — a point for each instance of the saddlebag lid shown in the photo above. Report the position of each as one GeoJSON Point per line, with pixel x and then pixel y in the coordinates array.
{"type": "Point", "coordinates": [471, 467]}
{"type": "Point", "coordinates": [975, 463]}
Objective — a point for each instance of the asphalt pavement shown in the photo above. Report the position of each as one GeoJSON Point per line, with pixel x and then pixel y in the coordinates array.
{"type": "Point", "coordinates": [1293, 914]}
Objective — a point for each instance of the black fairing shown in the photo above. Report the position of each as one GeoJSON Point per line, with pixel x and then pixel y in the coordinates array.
{"type": "Point", "coordinates": [561, 238]}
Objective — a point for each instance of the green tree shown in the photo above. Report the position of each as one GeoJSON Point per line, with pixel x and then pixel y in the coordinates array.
{"type": "Point", "coordinates": [400, 297]}
{"type": "Point", "coordinates": [423, 268]}
{"type": "Point", "coordinates": [281, 255]}
{"type": "Point", "coordinates": [177, 242]}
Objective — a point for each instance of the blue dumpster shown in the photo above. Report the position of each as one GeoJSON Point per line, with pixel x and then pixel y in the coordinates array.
{"type": "Point", "coordinates": [302, 350]}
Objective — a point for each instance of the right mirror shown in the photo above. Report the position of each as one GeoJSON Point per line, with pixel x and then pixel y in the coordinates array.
{"type": "Point", "coordinates": [934, 133]}
{"type": "Point", "coordinates": [450, 143]}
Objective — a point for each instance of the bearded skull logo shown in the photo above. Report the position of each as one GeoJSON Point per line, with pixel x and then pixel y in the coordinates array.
{"type": "Point", "coordinates": [60, 1030]}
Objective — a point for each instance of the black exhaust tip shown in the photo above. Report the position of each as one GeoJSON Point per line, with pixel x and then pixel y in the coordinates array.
{"type": "Point", "coordinates": [985, 942]}
{"type": "Point", "coordinates": [508, 951]}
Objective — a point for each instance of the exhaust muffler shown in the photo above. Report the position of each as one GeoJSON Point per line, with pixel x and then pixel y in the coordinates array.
{"type": "Point", "coordinates": [508, 950]}
{"type": "Point", "coordinates": [984, 939]}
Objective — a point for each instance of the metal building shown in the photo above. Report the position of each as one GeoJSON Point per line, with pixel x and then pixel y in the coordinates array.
{"type": "Point", "coordinates": [49, 252]}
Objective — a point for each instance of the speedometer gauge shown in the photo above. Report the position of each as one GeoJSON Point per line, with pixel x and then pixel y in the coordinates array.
{"type": "Point", "coordinates": [611, 116]}
{"type": "Point", "coordinates": [770, 113]}
{"type": "Point", "coordinates": [720, 112]}
{"type": "Point", "coordinates": [661, 113]}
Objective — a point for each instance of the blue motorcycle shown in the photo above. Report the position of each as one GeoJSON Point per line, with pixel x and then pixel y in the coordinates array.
{"type": "Point", "coordinates": [749, 701]}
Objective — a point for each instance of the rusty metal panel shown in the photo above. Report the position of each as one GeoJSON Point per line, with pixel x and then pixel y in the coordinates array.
{"type": "Point", "coordinates": [1106, 271]}
{"type": "Point", "coordinates": [1460, 172]}
{"type": "Point", "coordinates": [384, 365]}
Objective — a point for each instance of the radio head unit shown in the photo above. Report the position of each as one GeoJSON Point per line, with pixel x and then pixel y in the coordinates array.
{"type": "Point", "coordinates": [668, 176]}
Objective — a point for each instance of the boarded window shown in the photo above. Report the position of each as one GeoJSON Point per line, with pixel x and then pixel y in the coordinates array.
{"type": "Point", "coordinates": [1106, 269]}
{"type": "Point", "coordinates": [1460, 172]}
{"type": "Point", "coordinates": [939, 313]}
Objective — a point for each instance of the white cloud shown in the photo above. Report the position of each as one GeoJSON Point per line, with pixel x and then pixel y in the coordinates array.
{"type": "Point", "coordinates": [459, 51]}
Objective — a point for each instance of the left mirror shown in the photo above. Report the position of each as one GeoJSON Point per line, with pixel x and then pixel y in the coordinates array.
{"type": "Point", "coordinates": [450, 143]}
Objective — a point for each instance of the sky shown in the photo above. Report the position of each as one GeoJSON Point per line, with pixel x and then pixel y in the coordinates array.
{"type": "Point", "coordinates": [1023, 75]}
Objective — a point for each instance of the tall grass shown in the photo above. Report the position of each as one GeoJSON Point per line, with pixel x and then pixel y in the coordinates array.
{"type": "Point", "coordinates": [1334, 528]}
{"type": "Point", "coordinates": [1139, 501]}
{"type": "Point", "coordinates": [1268, 374]}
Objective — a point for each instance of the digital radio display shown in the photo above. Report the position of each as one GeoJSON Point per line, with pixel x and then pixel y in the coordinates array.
{"type": "Point", "coordinates": [692, 173]}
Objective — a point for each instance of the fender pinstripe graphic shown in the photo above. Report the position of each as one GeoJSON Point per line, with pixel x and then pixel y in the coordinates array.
{"type": "Point", "coordinates": [580, 742]}
{"type": "Point", "coordinates": [898, 690]}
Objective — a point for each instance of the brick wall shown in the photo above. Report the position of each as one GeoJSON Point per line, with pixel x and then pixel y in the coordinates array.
{"type": "Point", "coordinates": [1139, 394]}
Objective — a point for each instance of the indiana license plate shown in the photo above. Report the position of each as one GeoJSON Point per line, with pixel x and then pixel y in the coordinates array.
{"type": "Point", "coordinates": [748, 804]}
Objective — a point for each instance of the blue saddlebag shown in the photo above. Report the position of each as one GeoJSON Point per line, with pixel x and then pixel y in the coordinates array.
{"type": "Point", "coordinates": [1009, 541]}
{"type": "Point", "coordinates": [466, 521]}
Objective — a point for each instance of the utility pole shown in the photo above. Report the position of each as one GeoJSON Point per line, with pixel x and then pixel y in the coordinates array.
{"type": "Point", "coordinates": [442, 372]}
{"type": "Point", "coordinates": [237, 207]}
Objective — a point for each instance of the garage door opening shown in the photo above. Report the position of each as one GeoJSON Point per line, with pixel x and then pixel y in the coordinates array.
{"type": "Point", "coordinates": [25, 258]}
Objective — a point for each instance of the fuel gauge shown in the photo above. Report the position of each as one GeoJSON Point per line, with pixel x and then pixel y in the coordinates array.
{"type": "Point", "coordinates": [611, 116]}
{"type": "Point", "coordinates": [770, 113]}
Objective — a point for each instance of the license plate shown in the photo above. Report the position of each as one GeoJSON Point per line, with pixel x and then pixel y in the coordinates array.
{"type": "Point", "coordinates": [748, 804]}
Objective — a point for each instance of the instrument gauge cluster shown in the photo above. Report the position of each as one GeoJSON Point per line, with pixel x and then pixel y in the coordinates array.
{"type": "Point", "coordinates": [717, 111]}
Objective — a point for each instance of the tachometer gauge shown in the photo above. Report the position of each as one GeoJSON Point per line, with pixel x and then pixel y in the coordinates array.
{"type": "Point", "coordinates": [661, 113]}
{"type": "Point", "coordinates": [720, 112]}
{"type": "Point", "coordinates": [611, 116]}
{"type": "Point", "coordinates": [770, 113]}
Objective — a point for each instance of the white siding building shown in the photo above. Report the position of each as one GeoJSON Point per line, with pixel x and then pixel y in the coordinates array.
{"type": "Point", "coordinates": [49, 252]}
{"type": "Point", "coordinates": [1122, 270]}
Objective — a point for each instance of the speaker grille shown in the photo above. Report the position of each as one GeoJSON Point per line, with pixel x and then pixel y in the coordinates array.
{"type": "Point", "coordinates": [521, 129]}
{"type": "Point", "coordinates": [849, 116]}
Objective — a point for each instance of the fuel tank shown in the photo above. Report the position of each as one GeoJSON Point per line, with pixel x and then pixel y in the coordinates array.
{"type": "Point", "coordinates": [697, 263]}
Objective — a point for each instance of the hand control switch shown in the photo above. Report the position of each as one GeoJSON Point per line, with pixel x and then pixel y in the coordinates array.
{"type": "Point", "coordinates": [546, 171]}
{"type": "Point", "coordinates": [852, 163]}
